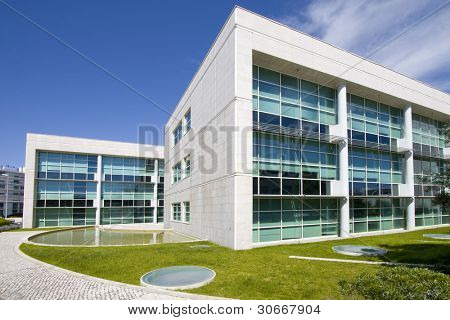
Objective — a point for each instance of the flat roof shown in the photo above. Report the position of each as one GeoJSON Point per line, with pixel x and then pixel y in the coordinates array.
{"type": "Point", "coordinates": [45, 142]}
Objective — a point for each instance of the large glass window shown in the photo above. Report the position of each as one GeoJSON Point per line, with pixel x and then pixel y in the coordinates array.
{"type": "Point", "coordinates": [293, 165]}
{"type": "Point", "coordinates": [428, 214]}
{"type": "Point", "coordinates": [62, 166]}
{"type": "Point", "coordinates": [372, 121]}
{"type": "Point", "coordinates": [276, 94]}
{"type": "Point", "coordinates": [276, 219]}
{"type": "Point", "coordinates": [428, 136]}
{"type": "Point", "coordinates": [128, 190]}
{"type": "Point", "coordinates": [377, 214]}
{"type": "Point", "coordinates": [66, 189]}
{"type": "Point", "coordinates": [373, 172]}
{"type": "Point", "coordinates": [425, 188]}
{"type": "Point", "coordinates": [425, 170]}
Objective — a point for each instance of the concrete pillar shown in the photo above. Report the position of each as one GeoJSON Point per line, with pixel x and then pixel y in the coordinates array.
{"type": "Point", "coordinates": [344, 216]}
{"type": "Point", "coordinates": [409, 168]}
{"type": "Point", "coordinates": [99, 191]}
{"type": "Point", "coordinates": [97, 237]}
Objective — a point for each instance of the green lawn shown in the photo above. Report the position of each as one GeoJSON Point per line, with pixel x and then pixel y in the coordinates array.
{"type": "Point", "coordinates": [263, 273]}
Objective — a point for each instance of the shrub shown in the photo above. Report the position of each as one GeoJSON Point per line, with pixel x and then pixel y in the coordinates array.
{"type": "Point", "coordinates": [4, 222]}
{"type": "Point", "coordinates": [399, 283]}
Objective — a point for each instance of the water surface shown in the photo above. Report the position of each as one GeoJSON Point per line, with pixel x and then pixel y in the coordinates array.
{"type": "Point", "coordinates": [102, 237]}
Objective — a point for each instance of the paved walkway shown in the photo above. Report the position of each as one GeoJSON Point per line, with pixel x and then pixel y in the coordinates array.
{"type": "Point", "coordinates": [22, 277]}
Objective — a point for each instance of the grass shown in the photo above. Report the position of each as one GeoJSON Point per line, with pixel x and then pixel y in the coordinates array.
{"type": "Point", "coordinates": [262, 273]}
{"type": "Point", "coordinates": [4, 222]}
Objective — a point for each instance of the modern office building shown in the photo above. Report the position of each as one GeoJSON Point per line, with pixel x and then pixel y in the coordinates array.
{"type": "Point", "coordinates": [282, 138]}
{"type": "Point", "coordinates": [279, 138]}
{"type": "Point", "coordinates": [11, 191]}
{"type": "Point", "coordinates": [82, 182]}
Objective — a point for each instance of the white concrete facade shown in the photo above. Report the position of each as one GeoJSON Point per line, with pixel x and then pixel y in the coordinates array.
{"type": "Point", "coordinates": [49, 143]}
{"type": "Point", "coordinates": [219, 97]}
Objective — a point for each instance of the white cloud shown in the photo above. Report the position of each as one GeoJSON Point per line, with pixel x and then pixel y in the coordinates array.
{"type": "Point", "coordinates": [364, 26]}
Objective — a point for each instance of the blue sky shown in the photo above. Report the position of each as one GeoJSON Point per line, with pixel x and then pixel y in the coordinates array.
{"type": "Point", "coordinates": [156, 47]}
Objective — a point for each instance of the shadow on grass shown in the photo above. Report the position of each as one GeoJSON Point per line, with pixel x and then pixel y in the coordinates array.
{"type": "Point", "coordinates": [421, 253]}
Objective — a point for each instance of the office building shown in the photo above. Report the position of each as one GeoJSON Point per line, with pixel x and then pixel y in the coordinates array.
{"type": "Point", "coordinates": [11, 191]}
{"type": "Point", "coordinates": [83, 182]}
{"type": "Point", "coordinates": [290, 139]}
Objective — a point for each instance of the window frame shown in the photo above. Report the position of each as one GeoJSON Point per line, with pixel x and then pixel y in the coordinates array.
{"type": "Point", "coordinates": [187, 121]}
{"type": "Point", "coordinates": [177, 172]}
{"type": "Point", "coordinates": [186, 204]}
{"type": "Point", "coordinates": [177, 133]}
{"type": "Point", "coordinates": [178, 206]}
{"type": "Point", "coordinates": [187, 168]}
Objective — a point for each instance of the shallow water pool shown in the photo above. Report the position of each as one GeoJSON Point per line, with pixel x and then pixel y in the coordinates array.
{"type": "Point", "coordinates": [93, 236]}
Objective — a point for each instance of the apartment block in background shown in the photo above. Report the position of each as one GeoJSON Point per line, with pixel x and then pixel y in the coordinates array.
{"type": "Point", "coordinates": [11, 191]}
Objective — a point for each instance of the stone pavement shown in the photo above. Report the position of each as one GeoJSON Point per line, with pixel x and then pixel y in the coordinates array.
{"type": "Point", "coordinates": [22, 277]}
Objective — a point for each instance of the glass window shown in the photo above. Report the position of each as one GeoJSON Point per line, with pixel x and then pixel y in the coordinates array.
{"type": "Point", "coordinates": [310, 87]}
{"type": "Point", "coordinates": [289, 82]}
{"type": "Point", "coordinates": [269, 76]}
{"type": "Point", "coordinates": [187, 166]}
{"type": "Point", "coordinates": [290, 110]}
{"type": "Point", "coordinates": [176, 172]}
{"type": "Point", "coordinates": [269, 90]}
{"type": "Point", "coordinates": [310, 114]}
{"type": "Point", "coordinates": [269, 105]}
{"type": "Point", "coordinates": [176, 211]}
{"type": "Point", "coordinates": [311, 187]}
{"type": "Point", "coordinates": [187, 121]}
{"type": "Point", "coordinates": [289, 95]}
{"type": "Point", "coordinates": [177, 133]}
{"type": "Point", "coordinates": [269, 186]}
{"type": "Point", "coordinates": [187, 211]}
{"type": "Point", "coordinates": [309, 100]}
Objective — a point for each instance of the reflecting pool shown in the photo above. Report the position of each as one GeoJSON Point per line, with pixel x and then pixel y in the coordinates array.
{"type": "Point", "coordinates": [93, 236]}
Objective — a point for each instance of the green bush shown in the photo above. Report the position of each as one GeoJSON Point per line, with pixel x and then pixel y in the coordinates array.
{"type": "Point", "coordinates": [399, 283]}
{"type": "Point", "coordinates": [4, 222]}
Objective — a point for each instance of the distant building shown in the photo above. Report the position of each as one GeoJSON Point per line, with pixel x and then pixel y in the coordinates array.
{"type": "Point", "coordinates": [11, 190]}
{"type": "Point", "coordinates": [83, 182]}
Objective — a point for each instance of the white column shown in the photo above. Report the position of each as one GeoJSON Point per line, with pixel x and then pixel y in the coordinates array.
{"type": "Point", "coordinates": [344, 217]}
{"type": "Point", "coordinates": [99, 190]}
{"type": "Point", "coordinates": [409, 168]}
